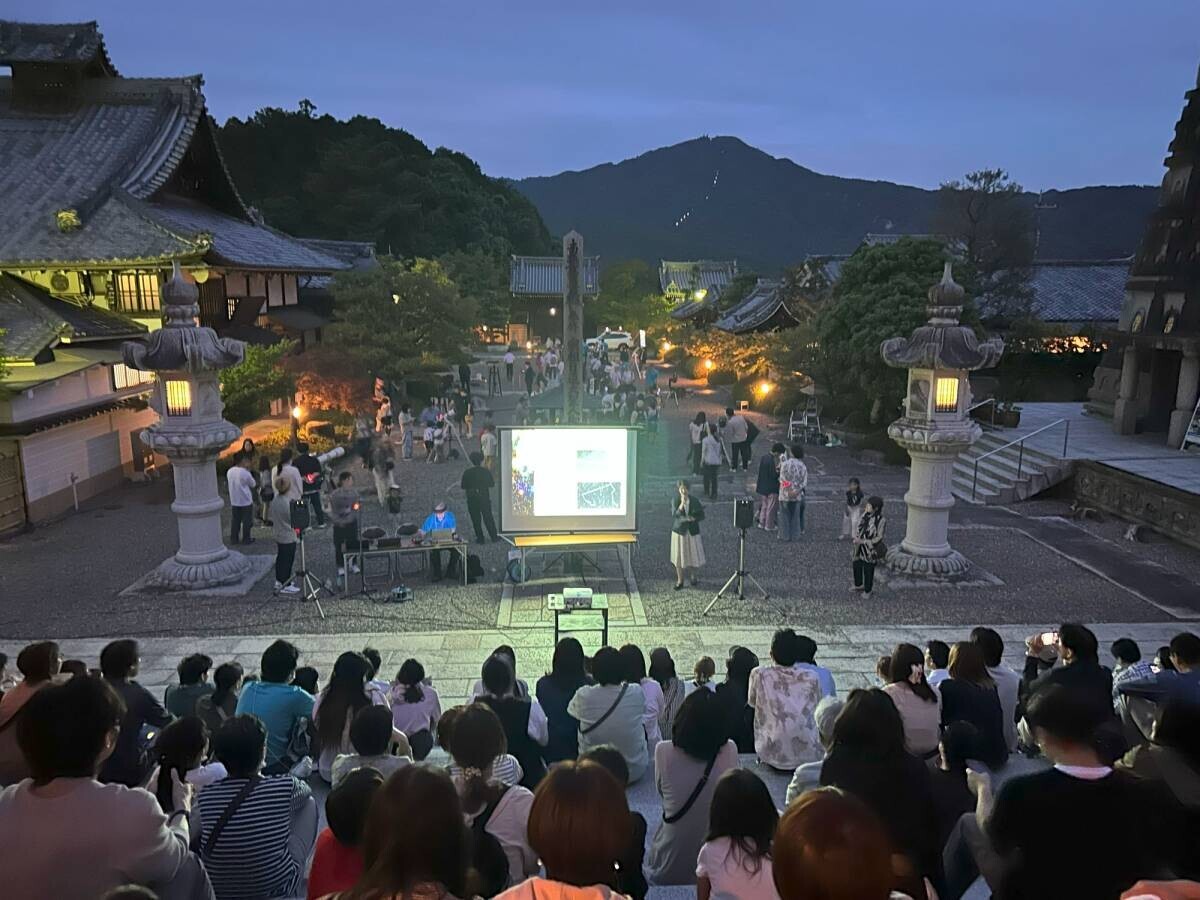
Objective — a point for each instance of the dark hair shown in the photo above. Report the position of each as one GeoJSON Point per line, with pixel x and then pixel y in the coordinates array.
{"type": "Point", "coordinates": [118, 659]}
{"type": "Point", "coordinates": [306, 678]}
{"type": "Point", "coordinates": [36, 662]}
{"type": "Point", "coordinates": [279, 661]}
{"type": "Point", "coordinates": [1162, 657]}
{"type": "Point", "coordinates": [240, 744]}
{"type": "Point", "coordinates": [579, 824]}
{"type": "Point", "coordinates": [778, 447]}
{"type": "Point", "coordinates": [180, 748]}
{"type": "Point", "coordinates": [445, 727]}
{"type": "Point", "coordinates": [700, 419]}
{"type": "Point", "coordinates": [226, 678]}
{"type": "Point", "coordinates": [343, 697]}
{"type": "Point", "coordinates": [783, 647]}
{"type": "Point", "coordinates": [701, 726]}
{"type": "Point", "coordinates": [634, 661]}
{"type": "Point", "coordinates": [74, 667]}
{"type": "Point", "coordinates": [285, 457]}
{"type": "Point", "coordinates": [373, 657]}
{"type": "Point", "coordinates": [743, 811]}
{"type": "Point", "coordinates": [301, 447]}
{"type": "Point", "coordinates": [1186, 648]}
{"type": "Point", "coordinates": [237, 457]}
{"type": "Point", "coordinates": [568, 666]}
{"type": "Point", "coordinates": [740, 664]}
{"type": "Point", "coordinates": [1080, 640]}
{"type": "Point", "coordinates": [966, 664]}
{"type": "Point", "coordinates": [608, 667]}
{"type": "Point", "coordinates": [345, 476]}
{"type": "Point", "coordinates": [990, 644]}
{"type": "Point", "coordinates": [411, 674]}
{"type": "Point", "coordinates": [662, 667]}
{"type": "Point", "coordinates": [830, 844]}
{"type": "Point", "coordinates": [610, 758]}
{"type": "Point", "coordinates": [868, 727]}
{"type": "Point", "coordinates": [497, 676]}
{"type": "Point", "coordinates": [193, 668]}
{"type": "Point", "coordinates": [347, 804]}
{"type": "Point", "coordinates": [506, 650]}
{"type": "Point", "coordinates": [1064, 714]}
{"type": "Point", "coordinates": [63, 729]}
{"type": "Point", "coordinates": [475, 457]}
{"type": "Point", "coordinates": [729, 411]}
{"type": "Point", "coordinates": [797, 450]}
{"type": "Point", "coordinates": [854, 481]}
{"type": "Point", "coordinates": [1178, 727]}
{"type": "Point", "coordinates": [876, 503]}
{"type": "Point", "coordinates": [806, 649]}
{"type": "Point", "coordinates": [264, 462]}
{"type": "Point", "coordinates": [939, 653]}
{"type": "Point", "coordinates": [130, 892]}
{"type": "Point", "coordinates": [414, 834]}
{"type": "Point", "coordinates": [371, 730]}
{"type": "Point", "coordinates": [477, 739]}
{"type": "Point", "coordinates": [900, 666]}
{"type": "Point", "coordinates": [1126, 650]}
{"type": "Point", "coordinates": [960, 741]}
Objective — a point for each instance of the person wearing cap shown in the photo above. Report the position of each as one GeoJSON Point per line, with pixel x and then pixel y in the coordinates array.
{"type": "Point", "coordinates": [441, 519]}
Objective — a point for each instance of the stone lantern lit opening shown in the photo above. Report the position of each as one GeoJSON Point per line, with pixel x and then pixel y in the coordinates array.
{"type": "Point", "coordinates": [191, 433]}
{"type": "Point", "coordinates": [935, 427]}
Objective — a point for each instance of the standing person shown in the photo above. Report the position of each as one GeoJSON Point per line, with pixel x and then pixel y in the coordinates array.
{"type": "Point", "coordinates": [555, 690]}
{"type": "Point", "coordinates": [737, 429]}
{"type": "Point", "coordinates": [530, 376]}
{"type": "Point", "coordinates": [767, 487]}
{"type": "Point", "coordinates": [869, 548]}
{"type": "Point", "coordinates": [698, 429]}
{"type": "Point", "coordinates": [464, 375]}
{"type": "Point", "coordinates": [712, 451]}
{"type": "Point", "coordinates": [285, 538]}
{"type": "Point", "coordinates": [344, 511]}
{"type": "Point", "coordinates": [687, 551]}
{"type": "Point", "coordinates": [383, 417]}
{"type": "Point", "coordinates": [266, 489]}
{"type": "Point", "coordinates": [854, 500]}
{"type": "Point", "coordinates": [489, 446]}
{"type": "Point", "coordinates": [314, 479]}
{"type": "Point", "coordinates": [242, 484]}
{"type": "Point", "coordinates": [510, 359]}
{"type": "Point", "coordinates": [362, 439]}
{"type": "Point", "coordinates": [285, 469]}
{"type": "Point", "coordinates": [477, 483]}
{"type": "Point", "coordinates": [735, 861]}
{"type": "Point", "coordinates": [793, 484]}
{"type": "Point", "coordinates": [406, 430]}
{"type": "Point", "coordinates": [785, 703]}
{"type": "Point", "coordinates": [130, 761]}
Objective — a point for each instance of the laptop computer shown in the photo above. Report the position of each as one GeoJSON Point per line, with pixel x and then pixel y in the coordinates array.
{"type": "Point", "coordinates": [441, 535]}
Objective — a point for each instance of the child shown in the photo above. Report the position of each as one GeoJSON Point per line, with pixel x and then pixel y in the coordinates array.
{"type": "Point", "coordinates": [337, 861]}
{"type": "Point", "coordinates": [735, 860]}
{"type": "Point", "coordinates": [371, 737]}
{"type": "Point", "coordinates": [704, 672]}
{"type": "Point", "coordinates": [854, 501]}
{"type": "Point", "coordinates": [428, 438]}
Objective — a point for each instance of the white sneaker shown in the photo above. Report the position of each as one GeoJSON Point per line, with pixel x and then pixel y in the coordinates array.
{"type": "Point", "coordinates": [289, 589]}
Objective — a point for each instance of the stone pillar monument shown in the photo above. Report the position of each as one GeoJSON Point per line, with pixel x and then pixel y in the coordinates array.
{"type": "Point", "coordinates": [572, 349]}
{"type": "Point", "coordinates": [935, 427]}
{"type": "Point", "coordinates": [191, 433]}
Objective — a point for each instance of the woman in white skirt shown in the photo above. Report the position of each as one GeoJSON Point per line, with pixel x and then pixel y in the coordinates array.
{"type": "Point", "coordinates": [687, 551]}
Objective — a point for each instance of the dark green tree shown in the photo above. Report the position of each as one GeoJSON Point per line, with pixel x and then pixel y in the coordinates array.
{"type": "Point", "coordinates": [630, 298]}
{"type": "Point", "coordinates": [483, 278]}
{"type": "Point", "coordinates": [735, 292]}
{"type": "Point", "coordinates": [249, 387]}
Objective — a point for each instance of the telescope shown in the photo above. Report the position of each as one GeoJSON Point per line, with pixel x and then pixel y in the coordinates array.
{"type": "Point", "coordinates": [330, 455]}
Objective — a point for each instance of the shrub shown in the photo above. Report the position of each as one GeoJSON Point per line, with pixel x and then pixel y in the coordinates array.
{"type": "Point", "coordinates": [271, 444]}
{"type": "Point", "coordinates": [719, 377]}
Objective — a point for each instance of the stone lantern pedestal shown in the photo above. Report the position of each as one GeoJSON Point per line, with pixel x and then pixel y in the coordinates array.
{"type": "Point", "coordinates": [191, 433]}
{"type": "Point", "coordinates": [935, 427]}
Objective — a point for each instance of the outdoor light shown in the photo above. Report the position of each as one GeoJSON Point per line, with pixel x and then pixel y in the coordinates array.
{"type": "Point", "coordinates": [529, 345]}
{"type": "Point", "coordinates": [395, 298]}
{"type": "Point", "coordinates": [708, 364]}
{"type": "Point", "coordinates": [947, 395]}
{"type": "Point", "coordinates": [765, 387]}
{"type": "Point", "coordinates": [666, 346]}
{"type": "Point", "coordinates": [297, 412]}
{"type": "Point", "coordinates": [553, 311]}
{"type": "Point", "coordinates": [179, 398]}
{"type": "Point", "coordinates": [700, 294]}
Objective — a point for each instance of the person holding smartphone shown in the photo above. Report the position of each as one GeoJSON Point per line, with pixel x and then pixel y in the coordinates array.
{"type": "Point", "coordinates": [687, 551]}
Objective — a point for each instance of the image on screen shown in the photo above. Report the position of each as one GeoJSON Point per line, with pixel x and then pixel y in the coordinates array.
{"type": "Point", "coordinates": [555, 479]}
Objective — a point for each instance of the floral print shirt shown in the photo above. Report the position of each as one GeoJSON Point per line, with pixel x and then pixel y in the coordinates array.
{"type": "Point", "coordinates": [785, 702]}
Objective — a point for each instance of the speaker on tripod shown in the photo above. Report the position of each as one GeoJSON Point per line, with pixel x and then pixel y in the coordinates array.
{"type": "Point", "coordinates": [300, 520]}
{"type": "Point", "coordinates": [743, 520]}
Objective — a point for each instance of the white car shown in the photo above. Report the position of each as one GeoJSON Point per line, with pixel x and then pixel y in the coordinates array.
{"type": "Point", "coordinates": [612, 340]}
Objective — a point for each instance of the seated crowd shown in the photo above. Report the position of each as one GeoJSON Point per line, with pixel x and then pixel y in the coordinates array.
{"type": "Point", "coordinates": [1067, 779]}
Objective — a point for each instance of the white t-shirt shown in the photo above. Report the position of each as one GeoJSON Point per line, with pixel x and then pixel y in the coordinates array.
{"type": "Point", "coordinates": [732, 876]}
{"type": "Point", "coordinates": [509, 358]}
{"type": "Point", "coordinates": [487, 443]}
{"type": "Point", "coordinates": [241, 486]}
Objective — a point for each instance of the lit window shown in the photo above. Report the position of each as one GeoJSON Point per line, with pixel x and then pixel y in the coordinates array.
{"type": "Point", "coordinates": [124, 377]}
{"type": "Point", "coordinates": [137, 292]}
{"type": "Point", "coordinates": [947, 395]}
{"type": "Point", "coordinates": [179, 398]}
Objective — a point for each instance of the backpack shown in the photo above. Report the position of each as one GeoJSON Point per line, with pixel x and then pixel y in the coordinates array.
{"type": "Point", "coordinates": [487, 856]}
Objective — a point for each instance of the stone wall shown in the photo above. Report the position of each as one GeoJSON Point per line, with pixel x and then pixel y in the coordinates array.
{"type": "Point", "coordinates": [1168, 510]}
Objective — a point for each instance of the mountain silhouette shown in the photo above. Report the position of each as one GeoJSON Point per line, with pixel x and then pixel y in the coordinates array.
{"type": "Point", "coordinates": [720, 198]}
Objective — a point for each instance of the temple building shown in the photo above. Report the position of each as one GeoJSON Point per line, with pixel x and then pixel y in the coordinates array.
{"type": "Point", "coordinates": [106, 182]}
{"type": "Point", "coordinates": [538, 285]}
{"type": "Point", "coordinates": [1152, 376]}
{"type": "Point", "coordinates": [695, 285]}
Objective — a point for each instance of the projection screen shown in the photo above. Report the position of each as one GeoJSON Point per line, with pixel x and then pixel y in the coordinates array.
{"type": "Point", "coordinates": [563, 479]}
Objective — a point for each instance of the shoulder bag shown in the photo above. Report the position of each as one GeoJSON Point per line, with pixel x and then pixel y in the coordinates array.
{"type": "Point", "coordinates": [207, 848]}
{"type": "Point", "coordinates": [612, 709]}
{"type": "Point", "coordinates": [694, 796]}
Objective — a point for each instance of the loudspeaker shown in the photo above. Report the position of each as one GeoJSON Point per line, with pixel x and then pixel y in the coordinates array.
{"type": "Point", "coordinates": [743, 512]}
{"type": "Point", "coordinates": [299, 514]}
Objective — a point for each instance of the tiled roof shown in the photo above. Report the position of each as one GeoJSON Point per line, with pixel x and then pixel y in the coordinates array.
{"type": "Point", "coordinates": [27, 42]}
{"type": "Point", "coordinates": [690, 308]}
{"type": "Point", "coordinates": [357, 254]}
{"type": "Point", "coordinates": [1080, 291]}
{"type": "Point", "coordinates": [693, 275]}
{"type": "Point", "coordinates": [237, 242]}
{"type": "Point", "coordinates": [544, 275]}
{"type": "Point", "coordinates": [755, 309]}
{"type": "Point", "coordinates": [33, 320]}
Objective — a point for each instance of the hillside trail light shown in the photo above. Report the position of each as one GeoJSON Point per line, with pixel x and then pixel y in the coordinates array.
{"type": "Point", "coordinates": [935, 427]}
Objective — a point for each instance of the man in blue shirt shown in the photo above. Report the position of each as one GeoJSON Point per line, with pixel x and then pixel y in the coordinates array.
{"type": "Point", "coordinates": [1182, 685]}
{"type": "Point", "coordinates": [277, 703]}
{"type": "Point", "coordinates": [441, 519]}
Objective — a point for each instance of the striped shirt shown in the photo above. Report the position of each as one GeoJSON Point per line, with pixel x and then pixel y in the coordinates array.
{"type": "Point", "coordinates": [251, 858]}
{"type": "Point", "coordinates": [505, 769]}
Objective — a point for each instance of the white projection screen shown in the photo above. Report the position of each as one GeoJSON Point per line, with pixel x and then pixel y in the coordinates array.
{"type": "Point", "coordinates": [567, 479]}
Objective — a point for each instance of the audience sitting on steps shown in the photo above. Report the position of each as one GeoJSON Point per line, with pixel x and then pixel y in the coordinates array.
{"type": "Point", "coordinates": [912, 791]}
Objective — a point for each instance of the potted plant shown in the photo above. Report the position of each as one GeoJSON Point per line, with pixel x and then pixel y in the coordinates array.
{"type": "Point", "coordinates": [1008, 415]}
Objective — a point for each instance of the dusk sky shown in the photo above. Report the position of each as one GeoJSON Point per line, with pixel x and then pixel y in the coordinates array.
{"type": "Point", "coordinates": [1061, 93]}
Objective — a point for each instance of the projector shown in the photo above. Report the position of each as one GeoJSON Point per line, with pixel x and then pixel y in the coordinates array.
{"type": "Point", "coordinates": [577, 598]}
{"type": "Point", "coordinates": [398, 594]}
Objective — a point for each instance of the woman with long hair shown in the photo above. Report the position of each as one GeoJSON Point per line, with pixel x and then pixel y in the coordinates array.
{"type": "Point", "coordinates": [415, 843]}
{"type": "Point", "coordinates": [735, 860]}
{"type": "Point", "coordinates": [687, 550]}
{"type": "Point", "coordinates": [38, 664]}
{"type": "Point", "coordinates": [334, 710]}
{"type": "Point", "coordinates": [869, 548]}
{"type": "Point", "coordinates": [662, 670]}
{"type": "Point", "coordinates": [635, 673]}
{"type": "Point", "coordinates": [969, 695]}
{"type": "Point", "coordinates": [415, 707]}
{"type": "Point", "coordinates": [919, 705]}
{"type": "Point", "coordinates": [568, 673]}
{"type": "Point", "coordinates": [734, 693]}
{"type": "Point", "coordinates": [180, 748]}
{"type": "Point", "coordinates": [221, 704]}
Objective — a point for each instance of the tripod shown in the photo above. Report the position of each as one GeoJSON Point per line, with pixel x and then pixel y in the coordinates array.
{"type": "Point", "coordinates": [740, 575]}
{"type": "Point", "coordinates": [311, 586]}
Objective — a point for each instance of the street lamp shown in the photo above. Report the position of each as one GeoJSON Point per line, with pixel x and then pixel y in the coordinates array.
{"type": "Point", "coordinates": [297, 412]}
{"type": "Point", "coordinates": [708, 364]}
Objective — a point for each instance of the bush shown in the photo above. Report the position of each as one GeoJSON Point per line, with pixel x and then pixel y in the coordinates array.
{"type": "Point", "coordinates": [719, 377]}
{"type": "Point", "coordinates": [271, 445]}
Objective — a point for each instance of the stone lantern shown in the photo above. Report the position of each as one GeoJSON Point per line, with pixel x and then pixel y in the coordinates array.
{"type": "Point", "coordinates": [935, 427]}
{"type": "Point", "coordinates": [191, 433]}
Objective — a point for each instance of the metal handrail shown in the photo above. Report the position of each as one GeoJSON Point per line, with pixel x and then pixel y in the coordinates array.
{"type": "Point", "coordinates": [1021, 455]}
{"type": "Point", "coordinates": [991, 400]}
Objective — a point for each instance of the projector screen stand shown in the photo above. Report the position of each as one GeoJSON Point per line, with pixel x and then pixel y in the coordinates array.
{"type": "Point", "coordinates": [740, 575]}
